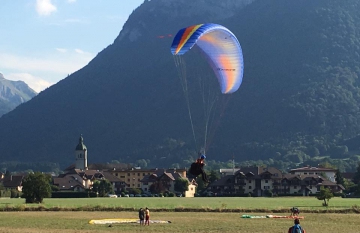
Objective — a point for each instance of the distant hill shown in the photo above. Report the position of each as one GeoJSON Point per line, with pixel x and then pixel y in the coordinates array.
{"type": "Point", "coordinates": [299, 98]}
{"type": "Point", "coordinates": [13, 93]}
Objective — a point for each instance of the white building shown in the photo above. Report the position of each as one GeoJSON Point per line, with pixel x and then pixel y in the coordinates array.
{"type": "Point", "coordinates": [228, 171]}
{"type": "Point", "coordinates": [326, 172]}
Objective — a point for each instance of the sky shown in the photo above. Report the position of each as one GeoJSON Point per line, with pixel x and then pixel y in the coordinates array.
{"type": "Point", "coordinates": [43, 41]}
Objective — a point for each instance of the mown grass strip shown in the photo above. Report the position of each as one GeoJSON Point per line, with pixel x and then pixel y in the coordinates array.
{"type": "Point", "coordinates": [354, 209]}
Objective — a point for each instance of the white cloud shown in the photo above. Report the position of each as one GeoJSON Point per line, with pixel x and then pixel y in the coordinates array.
{"type": "Point", "coordinates": [63, 63]}
{"type": "Point", "coordinates": [61, 50]}
{"type": "Point", "coordinates": [35, 83]}
{"type": "Point", "coordinates": [57, 64]}
{"type": "Point", "coordinates": [51, 68]}
{"type": "Point", "coordinates": [79, 51]}
{"type": "Point", "coordinates": [45, 7]}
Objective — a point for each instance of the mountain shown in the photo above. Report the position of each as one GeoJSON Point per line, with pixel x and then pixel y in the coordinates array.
{"type": "Point", "coordinates": [299, 98]}
{"type": "Point", "coordinates": [13, 93]}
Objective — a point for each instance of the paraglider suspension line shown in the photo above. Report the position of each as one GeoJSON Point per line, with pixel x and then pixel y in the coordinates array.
{"type": "Point", "coordinates": [181, 67]}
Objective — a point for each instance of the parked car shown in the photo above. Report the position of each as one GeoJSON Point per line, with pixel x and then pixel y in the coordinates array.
{"type": "Point", "coordinates": [131, 195]}
{"type": "Point", "coordinates": [112, 195]}
{"type": "Point", "coordinates": [126, 195]}
{"type": "Point", "coordinates": [179, 194]}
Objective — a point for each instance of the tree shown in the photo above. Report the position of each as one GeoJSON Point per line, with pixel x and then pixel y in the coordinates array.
{"type": "Point", "coordinates": [135, 191]}
{"type": "Point", "coordinates": [326, 164]}
{"type": "Point", "coordinates": [213, 176]}
{"type": "Point", "coordinates": [141, 163]}
{"type": "Point", "coordinates": [339, 178]}
{"type": "Point", "coordinates": [200, 185]}
{"type": "Point", "coordinates": [268, 193]}
{"type": "Point", "coordinates": [36, 187]}
{"type": "Point", "coordinates": [356, 178]}
{"type": "Point", "coordinates": [181, 185]}
{"type": "Point", "coordinates": [102, 187]}
{"type": "Point", "coordinates": [325, 195]}
{"type": "Point", "coordinates": [157, 187]}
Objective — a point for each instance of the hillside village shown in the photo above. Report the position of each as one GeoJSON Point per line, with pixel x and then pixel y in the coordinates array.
{"type": "Point", "coordinates": [244, 181]}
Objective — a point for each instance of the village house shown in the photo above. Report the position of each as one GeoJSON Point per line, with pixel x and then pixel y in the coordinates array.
{"type": "Point", "coordinates": [166, 178]}
{"type": "Point", "coordinates": [258, 181]}
{"type": "Point", "coordinates": [228, 171]}
{"type": "Point", "coordinates": [133, 176]}
{"type": "Point", "coordinates": [329, 173]}
{"type": "Point", "coordinates": [307, 184]}
{"type": "Point", "coordinates": [12, 182]}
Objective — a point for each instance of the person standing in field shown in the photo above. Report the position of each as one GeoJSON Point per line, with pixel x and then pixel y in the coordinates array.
{"type": "Point", "coordinates": [294, 211]}
{"type": "Point", "coordinates": [296, 228]}
{"type": "Point", "coordinates": [147, 216]}
{"type": "Point", "coordinates": [141, 216]}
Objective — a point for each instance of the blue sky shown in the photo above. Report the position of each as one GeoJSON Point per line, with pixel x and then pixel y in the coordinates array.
{"type": "Point", "coordinates": [42, 41]}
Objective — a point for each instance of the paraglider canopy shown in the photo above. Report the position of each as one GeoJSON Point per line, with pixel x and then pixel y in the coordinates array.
{"type": "Point", "coordinates": [221, 49]}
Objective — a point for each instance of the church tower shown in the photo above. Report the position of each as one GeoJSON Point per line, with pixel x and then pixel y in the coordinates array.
{"type": "Point", "coordinates": [81, 155]}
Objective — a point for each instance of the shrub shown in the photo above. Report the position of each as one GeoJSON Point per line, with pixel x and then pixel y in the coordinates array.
{"type": "Point", "coordinates": [14, 193]}
{"type": "Point", "coordinates": [72, 194]}
{"type": "Point", "coordinates": [268, 193]}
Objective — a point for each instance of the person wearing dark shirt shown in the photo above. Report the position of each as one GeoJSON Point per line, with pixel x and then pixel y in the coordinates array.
{"type": "Point", "coordinates": [197, 168]}
{"type": "Point", "coordinates": [141, 216]}
{"type": "Point", "coordinates": [296, 228]}
{"type": "Point", "coordinates": [294, 211]}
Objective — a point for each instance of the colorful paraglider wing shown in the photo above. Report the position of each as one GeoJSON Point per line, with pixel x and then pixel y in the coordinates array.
{"type": "Point", "coordinates": [220, 47]}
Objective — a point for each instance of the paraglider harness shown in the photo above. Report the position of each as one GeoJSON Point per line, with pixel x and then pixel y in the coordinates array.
{"type": "Point", "coordinates": [197, 168]}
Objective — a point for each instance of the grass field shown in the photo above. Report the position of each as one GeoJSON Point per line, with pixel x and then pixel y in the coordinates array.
{"type": "Point", "coordinates": [305, 203]}
{"type": "Point", "coordinates": [77, 221]}
{"type": "Point", "coordinates": [69, 222]}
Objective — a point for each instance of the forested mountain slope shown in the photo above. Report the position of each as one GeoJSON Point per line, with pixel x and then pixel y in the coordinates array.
{"type": "Point", "coordinates": [299, 97]}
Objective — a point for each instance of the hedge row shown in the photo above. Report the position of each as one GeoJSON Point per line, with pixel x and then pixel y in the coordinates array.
{"type": "Point", "coordinates": [73, 194]}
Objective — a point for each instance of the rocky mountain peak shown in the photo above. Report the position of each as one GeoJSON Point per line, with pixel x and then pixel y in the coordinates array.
{"type": "Point", "coordinates": [13, 93]}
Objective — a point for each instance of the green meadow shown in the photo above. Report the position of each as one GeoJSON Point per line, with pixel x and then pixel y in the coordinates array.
{"type": "Point", "coordinates": [170, 203]}
{"type": "Point", "coordinates": [211, 215]}
{"type": "Point", "coordinates": [71, 222]}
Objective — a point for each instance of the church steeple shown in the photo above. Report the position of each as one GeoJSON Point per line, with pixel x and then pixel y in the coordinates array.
{"type": "Point", "coordinates": [81, 145]}
{"type": "Point", "coordinates": [81, 155]}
